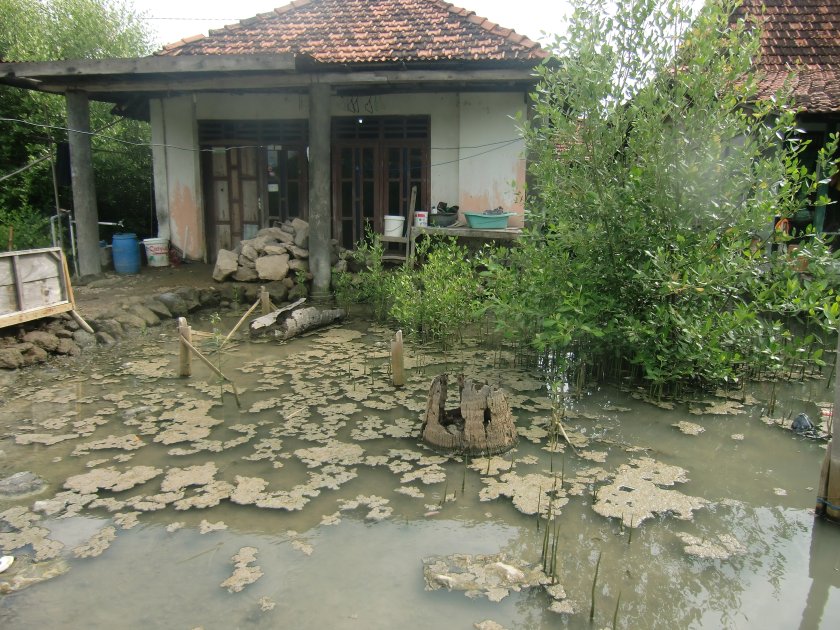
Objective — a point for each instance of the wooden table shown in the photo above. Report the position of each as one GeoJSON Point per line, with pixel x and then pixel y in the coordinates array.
{"type": "Point", "coordinates": [506, 234]}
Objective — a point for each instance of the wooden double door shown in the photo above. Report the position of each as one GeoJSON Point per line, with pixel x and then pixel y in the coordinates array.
{"type": "Point", "coordinates": [375, 163]}
{"type": "Point", "coordinates": [249, 188]}
{"type": "Point", "coordinates": [250, 183]}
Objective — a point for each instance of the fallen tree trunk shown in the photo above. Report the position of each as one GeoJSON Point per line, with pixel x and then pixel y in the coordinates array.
{"type": "Point", "coordinates": [294, 319]}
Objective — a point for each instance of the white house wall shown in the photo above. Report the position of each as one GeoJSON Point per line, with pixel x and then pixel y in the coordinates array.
{"type": "Point", "coordinates": [492, 169]}
{"type": "Point", "coordinates": [176, 126]}
{"type": "Point", "coordinates": [470, 164]}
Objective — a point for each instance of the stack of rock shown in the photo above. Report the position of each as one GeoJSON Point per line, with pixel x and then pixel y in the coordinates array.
{"type": "Point", "coordinates": [35, 341]}
{"type": "Point", "coordinates": [276, 255]}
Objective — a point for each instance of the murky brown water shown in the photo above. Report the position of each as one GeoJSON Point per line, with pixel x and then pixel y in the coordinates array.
{"type": "Point", "coordinates": [340, 547]}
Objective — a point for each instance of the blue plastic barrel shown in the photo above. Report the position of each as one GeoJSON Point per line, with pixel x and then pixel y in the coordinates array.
{"type": "Point", "coordinates": [126, 252]}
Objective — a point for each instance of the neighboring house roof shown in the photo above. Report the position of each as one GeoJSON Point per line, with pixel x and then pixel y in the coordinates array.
{"type": "Point", "coordinates": [801, 35]}
{"type": "Point", "coordinates": [367, 32]}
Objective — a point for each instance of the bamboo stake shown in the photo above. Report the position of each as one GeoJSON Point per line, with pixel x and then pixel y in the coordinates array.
{"type": "Point", "coordinates": [239, 323]}
{"type": "Point", "coordinates": [831, 500]}
{"type": "Point", "coordinates": [184, 356]}
{"type": "Point", "coordinates": [265, 301]}
{"type": "Point", "coordinates": [215, 370]}
{"type": "Point", "coordinates": [81, 322]}
{"type": "Point", "coordinates": [397, 360]}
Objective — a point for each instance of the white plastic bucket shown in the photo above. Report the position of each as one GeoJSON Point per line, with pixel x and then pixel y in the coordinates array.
{"type": "Point", "coordinates": [421, 219]}
{"type": "Point", "coordinates": [394, 225]}
{"type": "Point", "coordinates": [157, 251]}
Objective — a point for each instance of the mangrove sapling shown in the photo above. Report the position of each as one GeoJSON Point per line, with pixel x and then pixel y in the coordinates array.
{"type": "Point", "coordinates": [553, 572]}
{"type": "Point", "coordinates": [464, 473]}
{"type": "Point", "coordinates": [615, 613]}
{"type": "Point", "coordinates": [594, 584]}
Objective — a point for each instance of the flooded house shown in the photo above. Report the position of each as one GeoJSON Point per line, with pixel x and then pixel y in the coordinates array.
{"type": "Point", "coordinates": [326, 110]}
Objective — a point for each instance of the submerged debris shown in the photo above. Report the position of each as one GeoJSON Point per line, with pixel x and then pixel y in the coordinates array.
{"type": "Point", "coordinates": [97, 543]}
{"type": "Point", "coordinates": [490, 576]}
{"type": "Point", "coordinates": [717, 408]}
{"type": "Point", "coordinates": [724, 547]}
{"type": "Point", "coordinates": [243, 573]}
{"type": "Point", "coordinates": [205, 527]}
{"type": "Point", "coordinates": [531, 493]}
{"type": "Point", "coordinates": [111, 479]}
{"type": "Point", "coordinates": [635, 493]}
{"type": "Point", "coordinates": [689, 428]}
{"type": "Point", "coordinates": [17, 531]}
{"type": "Point", "coordinates": [28, 573]}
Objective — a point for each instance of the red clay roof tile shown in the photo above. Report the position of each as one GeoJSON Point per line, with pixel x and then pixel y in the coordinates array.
{"type": "Point", "coordinates": [802, 35]}
{"type": "Point", "coordinates": [367, 31]}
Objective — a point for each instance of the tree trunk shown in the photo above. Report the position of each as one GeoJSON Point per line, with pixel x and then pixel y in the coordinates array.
{"type": "Point", "coordinates": [293, 320]}
{"type": "Point", "coordinates": [483, 425]}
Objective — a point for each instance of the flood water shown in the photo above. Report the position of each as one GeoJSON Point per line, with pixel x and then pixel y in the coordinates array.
{"type": "Point", "coordinates": [322, 473]}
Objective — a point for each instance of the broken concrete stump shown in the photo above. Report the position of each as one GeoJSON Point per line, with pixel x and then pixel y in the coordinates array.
{"type": "Point", "coordinates": [483, 424]}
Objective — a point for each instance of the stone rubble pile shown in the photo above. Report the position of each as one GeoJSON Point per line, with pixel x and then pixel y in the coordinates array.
{"type": "Point", "coordinates": [277, 257]}
{"type": "Point", "coordinates": [34, 342]}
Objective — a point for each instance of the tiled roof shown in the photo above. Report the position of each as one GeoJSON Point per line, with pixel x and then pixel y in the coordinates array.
{"type": "Point", "coordinates": [802, 35]}
{"type": "Point", "coordinates": [367, 31]}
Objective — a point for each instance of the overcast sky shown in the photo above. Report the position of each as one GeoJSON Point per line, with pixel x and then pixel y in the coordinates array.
{"type": "Point", "coordinates": [190, 17]}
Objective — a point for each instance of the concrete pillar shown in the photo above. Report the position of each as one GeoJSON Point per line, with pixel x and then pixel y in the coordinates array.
{"type": "Point", "coordinates": [84, 191]}
{"type": "Point", "coordinates": [159, 167]}
{"type": "Point", "coordinates": [320, 206]}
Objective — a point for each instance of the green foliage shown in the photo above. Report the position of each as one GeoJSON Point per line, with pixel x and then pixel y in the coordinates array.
{"type": "Point", "coordinates": [29, 228]}
{"type": "Point", "coordinates": [440, 298]}
{"type": "Point", "coordinates": [658, 177]}
{"type": "Point", "coordinates": [433, 301]}
{"type": "Point", "coordinates": [32, 30]}
{"type": "Point", "coordinates": [371, 284]}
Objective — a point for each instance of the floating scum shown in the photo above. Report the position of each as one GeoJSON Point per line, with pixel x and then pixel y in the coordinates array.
{"type": "Point", "coordinates": [318, 415]}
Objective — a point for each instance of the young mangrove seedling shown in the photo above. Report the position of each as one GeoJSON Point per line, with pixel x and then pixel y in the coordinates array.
{"type": "Point", "coordinates": [594, 584]}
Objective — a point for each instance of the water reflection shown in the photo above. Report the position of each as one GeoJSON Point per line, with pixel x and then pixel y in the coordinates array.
{"type": "Point", "coordinates": [369, 574]}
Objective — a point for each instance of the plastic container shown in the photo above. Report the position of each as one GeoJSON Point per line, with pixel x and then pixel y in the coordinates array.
{"type": "Point", "coordinates": [394, 225]}
{"type": "Point", "coordinates": [482, 221]}
{"type": "Point", "coordinates": [157, 251]}
{"type": "Point", "coordinates": [421, 219]}
{"type": "Point", "coordinates": [443, 219]}
{"type": "Point", "coordinates": [104, 255]}
{"type": "Point", "coordinates": [126, 252]}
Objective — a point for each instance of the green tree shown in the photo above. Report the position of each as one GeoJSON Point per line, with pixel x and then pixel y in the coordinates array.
{"type": "Point", "coordinates": [657, 180]}
{"type": "Point", "coordinates": [35, 30]}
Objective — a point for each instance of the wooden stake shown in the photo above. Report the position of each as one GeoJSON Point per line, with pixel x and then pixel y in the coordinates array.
{"type": "Point", "coordinates": [81, 322]}
{"type": "Point", "coordinates": [397, 361]}
{"type": "Point", "coordinates": [184, 356]}
{"type": "Point", "coordinates": [265, 301]}
{"type": "Point", "coordinates": [832, 485]}
{"type": "Point", "coordinates": [215, 370]}
{"type": "Point", "coordinates": [239, 323]}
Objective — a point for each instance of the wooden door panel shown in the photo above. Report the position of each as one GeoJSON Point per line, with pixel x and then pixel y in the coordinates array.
{"type": "Point", "coordinates": [221, 201]}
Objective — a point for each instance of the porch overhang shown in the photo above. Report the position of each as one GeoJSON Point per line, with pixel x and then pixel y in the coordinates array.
{"type": "Point", "coordinates": [130, 83]}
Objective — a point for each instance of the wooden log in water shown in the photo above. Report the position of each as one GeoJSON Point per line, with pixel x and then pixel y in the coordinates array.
{"type": "Point", "coordinates": [293, 320]}
{"type": "Point", "coordinates": [306, 319]}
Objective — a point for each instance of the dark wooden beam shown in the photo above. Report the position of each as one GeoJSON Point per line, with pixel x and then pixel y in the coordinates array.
{"type": "Point", "coordinates": [188, 64]}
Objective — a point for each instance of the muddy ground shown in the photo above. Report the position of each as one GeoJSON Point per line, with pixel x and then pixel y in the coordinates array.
{"type": "Point", "coordinates": [97, 296]}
